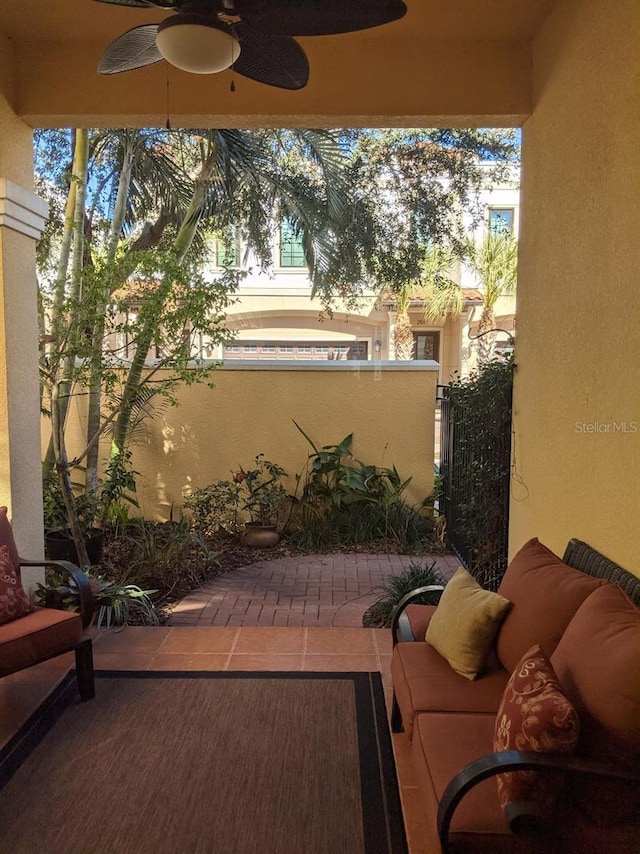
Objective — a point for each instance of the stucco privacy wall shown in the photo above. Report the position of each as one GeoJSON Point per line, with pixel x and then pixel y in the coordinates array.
{"type": "Point", "coordinates": [577, 387]}
{"type": "Point", "coordinates": [389, 408]}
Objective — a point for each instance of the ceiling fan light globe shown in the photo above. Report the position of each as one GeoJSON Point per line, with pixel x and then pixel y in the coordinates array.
{"type": "Point", "coordinates": [197, 48]}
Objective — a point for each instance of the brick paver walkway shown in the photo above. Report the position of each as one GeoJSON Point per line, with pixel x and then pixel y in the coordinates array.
{"type": "Point", "coordinates": [310, 590]}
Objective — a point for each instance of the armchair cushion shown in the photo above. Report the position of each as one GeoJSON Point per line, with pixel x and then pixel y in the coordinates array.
{"type": "Point", "coordinates": [534, 715]}
{"type": "Point", "coordinates": [39, 635]}
{"type": "Point", "coordinates": [465, 623]}
{"type": "Point", "coordinates": [14, 602]}
{"type": "Point", "coordinates": [546, 593]}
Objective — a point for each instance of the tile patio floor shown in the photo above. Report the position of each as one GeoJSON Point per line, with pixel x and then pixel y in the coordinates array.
{"type": "Point", "coordinates": [330, 638]}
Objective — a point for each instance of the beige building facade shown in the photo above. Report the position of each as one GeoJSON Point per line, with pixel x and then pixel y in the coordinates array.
{"type": "Point", "coordinates": [275, 317]}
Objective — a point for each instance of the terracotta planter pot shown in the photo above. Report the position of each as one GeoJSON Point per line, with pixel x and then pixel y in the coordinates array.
{"type": "Point", "coordinates": [260, 536]}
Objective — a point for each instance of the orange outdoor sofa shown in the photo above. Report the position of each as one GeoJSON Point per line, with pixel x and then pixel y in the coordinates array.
{"type": "Point", "coordinates": [557, 700]}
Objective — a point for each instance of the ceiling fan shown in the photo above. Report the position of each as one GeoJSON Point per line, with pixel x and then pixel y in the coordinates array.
{"type": "Point", "coordinates": [253, 36]}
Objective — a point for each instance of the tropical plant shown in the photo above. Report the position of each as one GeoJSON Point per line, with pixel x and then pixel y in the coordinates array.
{"type": "Point", "coordinates": [395, 588]}
{"type": "Point", "coordinates": [261, 493]}
{"type": "Point", "coordinates": [115, 604]}
{"type": "Point", "coordinates": [336, 480]}
{"type": "Point", "coordinates": [436, 294]}
{"type": "Point", "coordinates": [213, 509]}
{"type": "Point", "coordinates": [169, 557]}
{"type": "Point", "coordinates": [346, 501]}
{"type": "Point", "coordinates": [495, 263]}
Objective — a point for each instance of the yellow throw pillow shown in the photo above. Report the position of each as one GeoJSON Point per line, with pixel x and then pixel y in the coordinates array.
{"type": "Point", "coordinates": [465, 623]}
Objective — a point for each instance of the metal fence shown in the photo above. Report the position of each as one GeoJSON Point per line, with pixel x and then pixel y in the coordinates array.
{"type": "Point", "coordinates": [475, 467]}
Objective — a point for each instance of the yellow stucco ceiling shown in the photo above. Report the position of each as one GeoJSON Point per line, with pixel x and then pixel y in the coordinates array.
{"type": "Point", "coordinates": [446, 59]}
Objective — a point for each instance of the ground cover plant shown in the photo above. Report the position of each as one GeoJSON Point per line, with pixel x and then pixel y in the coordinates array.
{"type": "Point", "coordinates": [379, 615]}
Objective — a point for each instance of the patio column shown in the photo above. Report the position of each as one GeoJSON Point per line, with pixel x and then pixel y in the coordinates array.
{"type": "Point", "coordinates": [22, 218]}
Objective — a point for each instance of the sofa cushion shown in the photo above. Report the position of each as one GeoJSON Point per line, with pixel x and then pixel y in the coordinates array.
{"type": "Point", "coordinates": [6, 538]}
{"type": "Point", "coordinates": [546, 593]}
{"type": "Point", "coordinates": [534, 715]}
{"type": "Point", "coordinates": [14, 602]}
{"type": "Point", "coordinates": [598, 665]}
{"type": "Point", "coordinates": [424, 681]}
{"type": "Point", "coordinates": [465, 623]}
{"type": "Point", "coordinates": [442, 745]}
{"type": "Point", "coordinates": [41, 634]}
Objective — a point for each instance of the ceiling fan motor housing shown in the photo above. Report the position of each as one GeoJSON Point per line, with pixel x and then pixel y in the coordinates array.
{"type": "Point", "coordinates": [198, 43]}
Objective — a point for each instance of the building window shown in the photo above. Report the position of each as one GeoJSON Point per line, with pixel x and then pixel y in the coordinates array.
{"type": "Point", "coordinates": [298, 351]}
{"type": "Point", "coordinates": [291, 251]}
{"type": "Point", "coordinates": [427, 345]}
{"type": "Point", "coordinates": [227, 252]}
{"type": "Point", "coordinates": [501, 220]}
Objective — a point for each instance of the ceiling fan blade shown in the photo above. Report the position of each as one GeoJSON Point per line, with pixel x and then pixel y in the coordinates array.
{"type": "Point", "coordinates": [318, 17]}
{"type": "Point", "coordinates": [143, 4]}
{"type": "Point", "coordinates": [275, 60]}
{"type": "Point", "coordinates": [135, 49]}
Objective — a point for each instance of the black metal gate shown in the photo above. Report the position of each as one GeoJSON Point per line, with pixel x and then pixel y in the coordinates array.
{"type": "Point", "coordinates": [475, 469]}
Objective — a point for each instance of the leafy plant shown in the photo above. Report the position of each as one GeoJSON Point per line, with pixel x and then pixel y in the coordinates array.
{"type": "Point", "coordinates": [346, 501]}
{"type": "Point", "coordinates": [396, 587]}
{"type": "Point", "coordinates": [168, 556]}
{"type": "Point", "coordinates": [56, 519]}
{"type": "Point", "coordinates": [261, 493]}
{"type": "Point", "coordinates": [214, 508]}
{"type": "Point", "coordinates": [115, 604]}
{"type": "Point", "coordinates": [478, 477]}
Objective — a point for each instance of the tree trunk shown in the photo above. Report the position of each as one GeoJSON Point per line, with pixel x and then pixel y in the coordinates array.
{"type": "Point", "coordinates": [79, 180]}
{"type": "Point", "coordinates": [62, 466]}
{"type": "Point", "coordinates": [95, 382]}
{"type": "Point", "coordinates": [485, 338]}
{"type": "Point", "coordinates": [403, 340]}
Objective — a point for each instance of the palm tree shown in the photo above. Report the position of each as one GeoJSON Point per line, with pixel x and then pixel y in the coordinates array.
{"type": "Point", "coordinates": [495, 263]}
{"type": "Point", "coordinates": [439, 295]}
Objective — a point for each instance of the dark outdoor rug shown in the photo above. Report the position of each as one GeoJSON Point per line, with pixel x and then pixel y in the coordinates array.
{"type": "Point", "coordinates": [228, 763]}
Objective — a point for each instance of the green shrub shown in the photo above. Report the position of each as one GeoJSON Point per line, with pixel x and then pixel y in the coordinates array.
{"type": "Point", "coordinates": [378, 615]}
{"type": "Point", "coordinates": [347, 502]}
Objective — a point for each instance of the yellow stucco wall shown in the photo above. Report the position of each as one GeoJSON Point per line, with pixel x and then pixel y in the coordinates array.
{"type": "Point", "coordinates": [577, 388]}
{"type": "Point", "coordinates": [390, 410]}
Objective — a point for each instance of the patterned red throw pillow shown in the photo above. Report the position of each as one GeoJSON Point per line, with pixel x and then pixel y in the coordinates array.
{"type": "Point", "coordinates": [14, 602]}
{"type": "Point", "coordinates": [534, 715]}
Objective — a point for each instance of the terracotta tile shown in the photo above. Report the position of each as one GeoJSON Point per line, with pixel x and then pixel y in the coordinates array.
{"type": "Point", "coordinates": [343, 641]}
{"type": "Point", "coordinates": [201, 639]}
{"type": "Point", "coordinates": [138, 639]}
{"type": "Point", "coordinates": [402, 754]}
{"type": "Point", "coordinates": [271, 661]}
{"type": "Point", "coordinates": [384, 641]}
{"type": "Point", "coordinates": [385, 666]}
{"type": "Point", "coordinates": [270, 640]}
{"type": "Point", "coordinates": [181, 661]}
{"type": "Point", "coordinates": [340, 663]}
{"type": "Point", "coordinates": [415, 822]}
{"type": "Point", "coordinates": [122, 661]}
